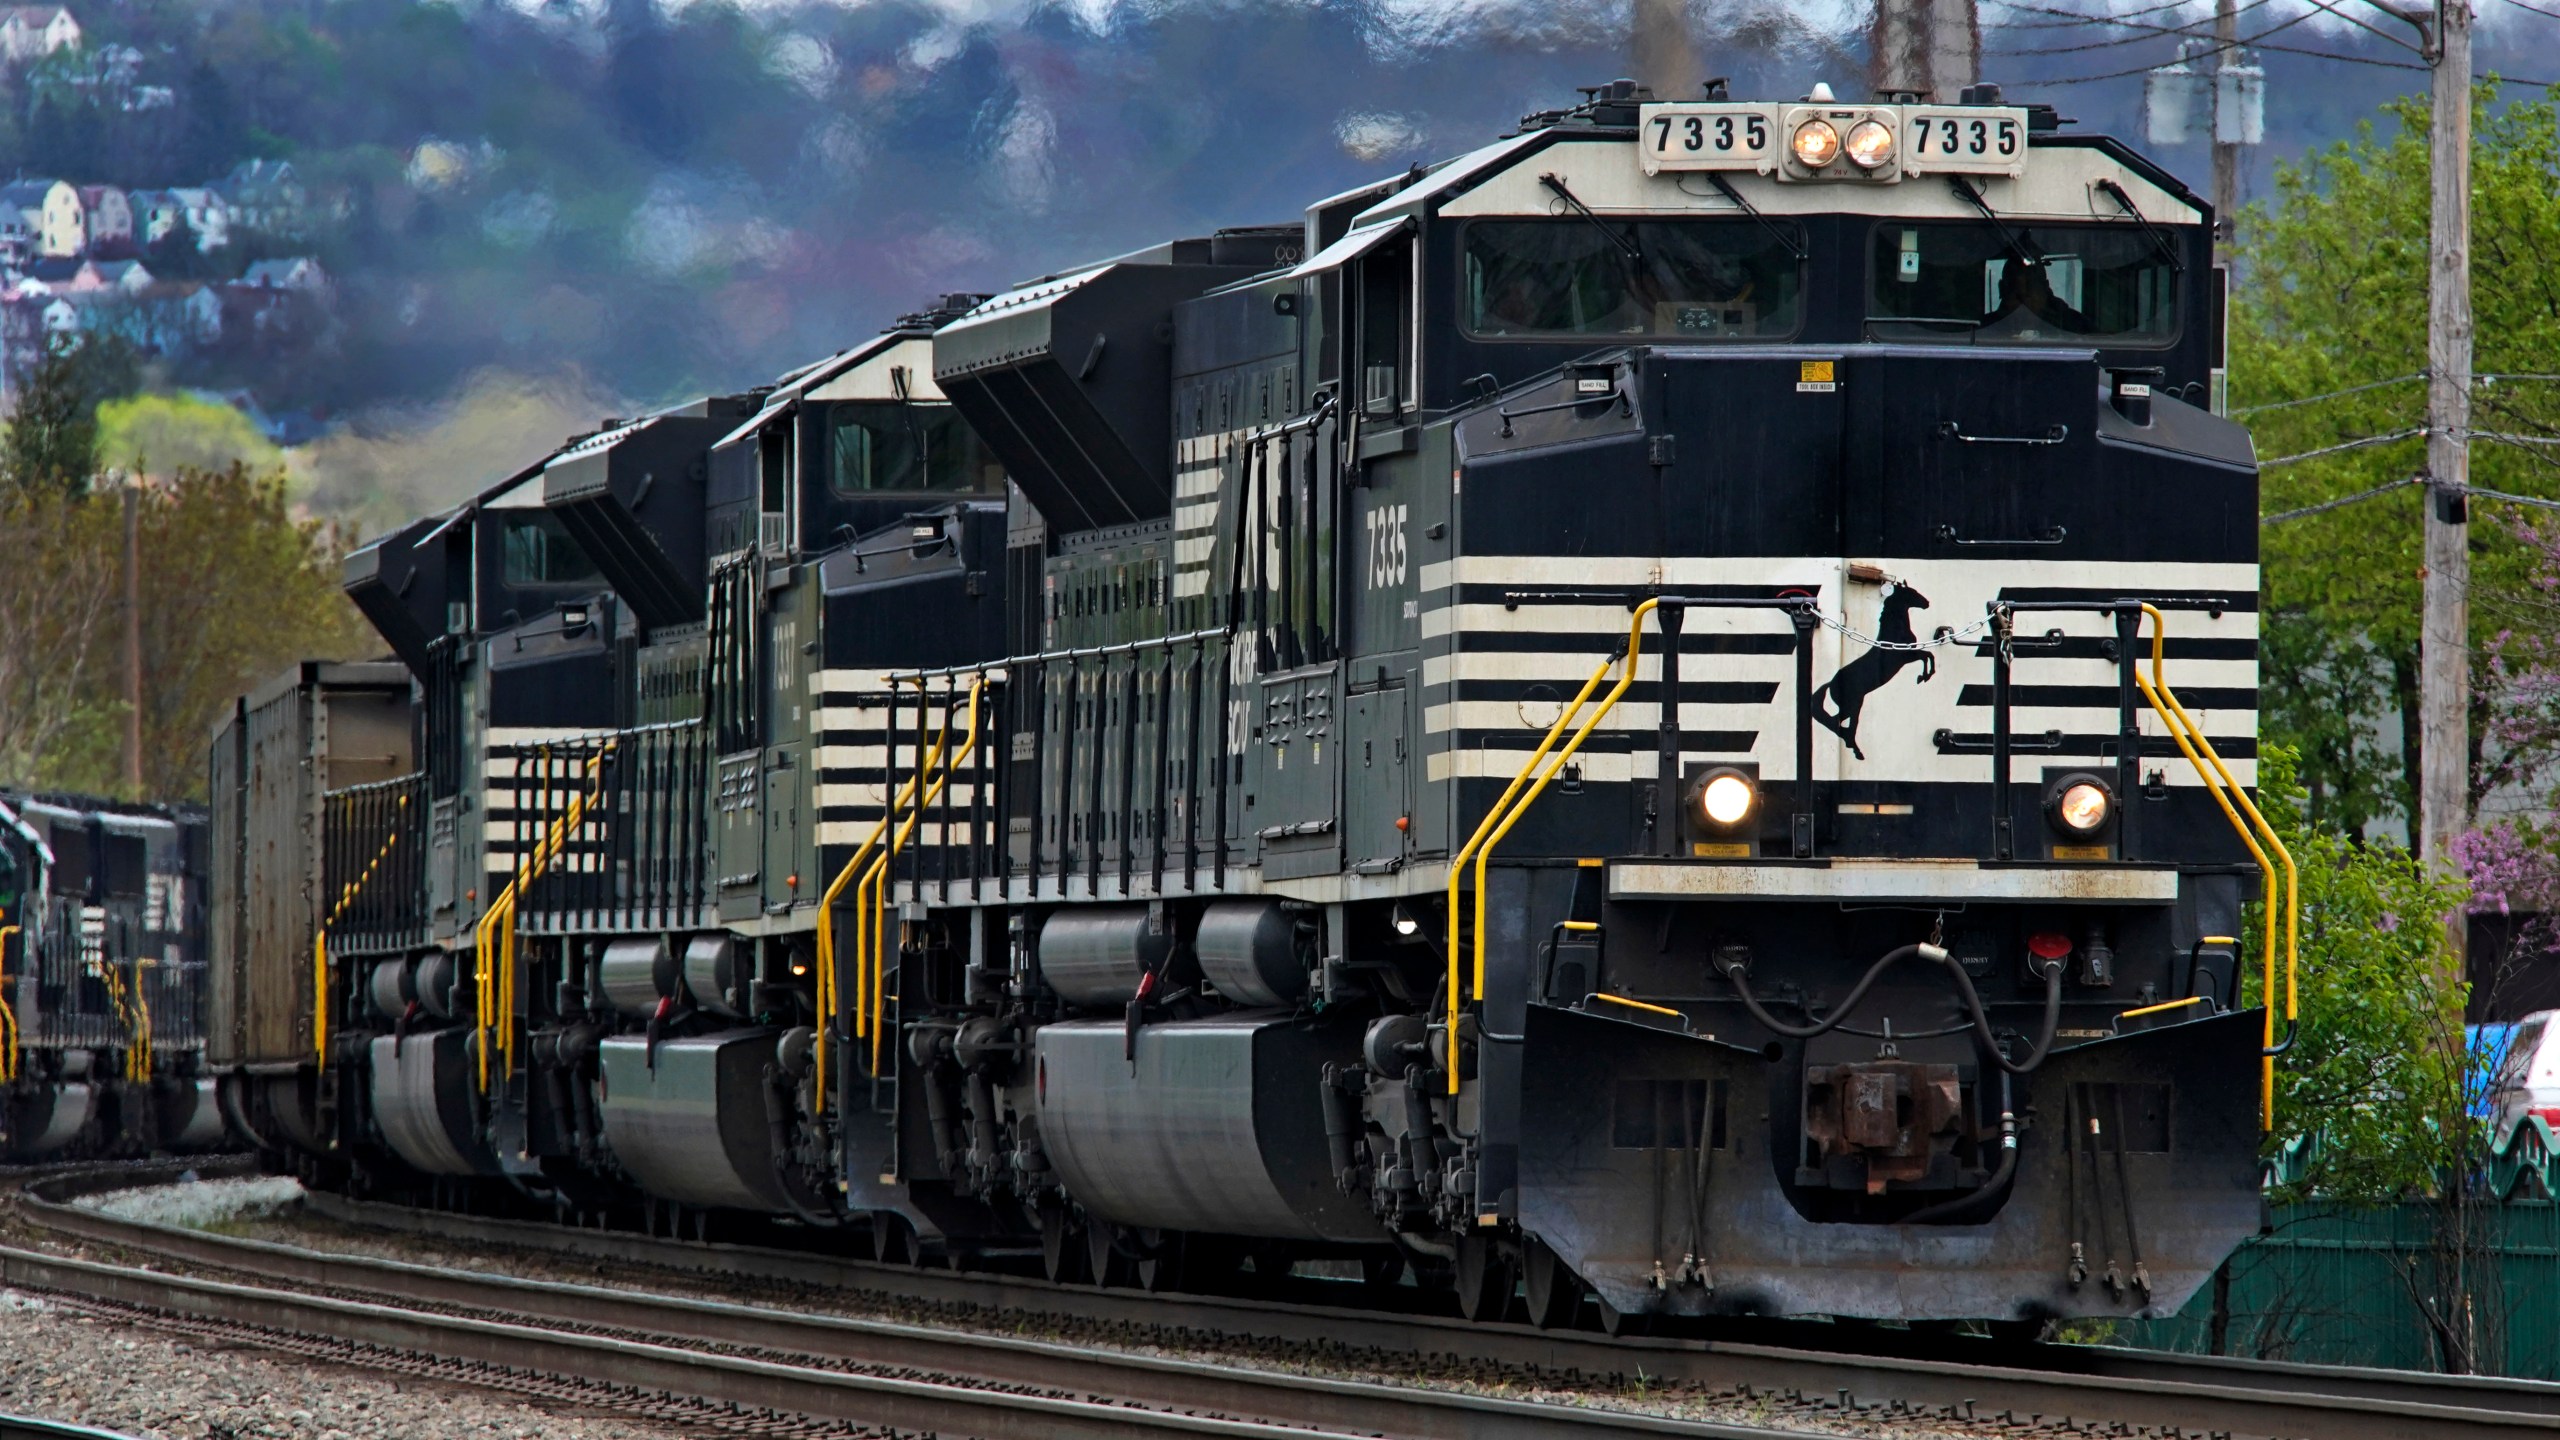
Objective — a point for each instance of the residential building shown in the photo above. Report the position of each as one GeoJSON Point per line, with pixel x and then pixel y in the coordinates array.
{"type": "Point", "coordinates": [73, 275]}
{"type": "Point", "coordinates": [157, 212]}
{"type": "Point", "coordinates": [300, 272]}
{"type": "Point", "coordinates": [46, 215]}
{"type": "Point", "coordinates": [31, 32]}
{"type": "Point", "coordinates": [109, 214]}
{"type": "Point", "coordinates": [264, 195]}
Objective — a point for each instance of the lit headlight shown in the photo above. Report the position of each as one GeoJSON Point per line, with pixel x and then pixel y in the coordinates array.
{"type": "Point", "coordinates": [1726, 798]}
{"type": "Point", "coordinates": [2082, 807]}
{"type": "Point", "coordinates": [1816, 144]}
{"type": "Point", "coordinates": [1870, 144]}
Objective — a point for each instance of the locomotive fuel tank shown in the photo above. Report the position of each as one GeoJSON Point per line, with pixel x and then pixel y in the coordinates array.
{"type": "Point", "coordinates": [422, 1103]}
{"type": "Point", "coordinates": [687, 1117]}
{"type": "Point", "coordinates": [1212, 1125]}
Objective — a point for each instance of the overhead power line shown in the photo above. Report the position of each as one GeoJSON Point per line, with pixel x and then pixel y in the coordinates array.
{"type": "Point", "coordinates": [2367, 442]}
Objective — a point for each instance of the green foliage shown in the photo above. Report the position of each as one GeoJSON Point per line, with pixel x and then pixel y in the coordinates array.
{"type": "Point", "coordinates": [2374, 1083]}
{"type": "Point", "coordinates": [2334, 295]}
{"type": "Point", "coordinates": [52, 442]}
{"type": "Point", "coordinates": [233, 587]}
{"type": "Point", "coordinates": [159, 434]}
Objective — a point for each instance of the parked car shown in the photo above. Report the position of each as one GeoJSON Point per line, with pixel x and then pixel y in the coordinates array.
{"type": "Point", "coordinates": [2522, 1066]}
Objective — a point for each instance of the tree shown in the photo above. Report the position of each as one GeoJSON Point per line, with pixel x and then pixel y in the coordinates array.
{"type": "Point", "coordinates": [163, 434]}
{"type": "Point", "coordinates": [233, 588]}
{"type": "Point", "coordinates": [2334, 297]}
{"type": "Point", "coordinates": [56, 605]}
{"type": "Point", "coordinates": [52, 442]}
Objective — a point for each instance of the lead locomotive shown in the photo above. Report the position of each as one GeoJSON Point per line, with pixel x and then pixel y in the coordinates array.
{"type": "Point", "coordinates": [1588, 715]}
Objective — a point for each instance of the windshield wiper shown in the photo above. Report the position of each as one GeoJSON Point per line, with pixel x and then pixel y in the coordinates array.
{"type": "Point", "coordinates": [1626, 243]}
{"type": "Point", "coordinates": [2016, 243]}
{"type": "Point", "coordinates": [1794, 246]}
{"type": "Point", "coordinates": [2150, 232]}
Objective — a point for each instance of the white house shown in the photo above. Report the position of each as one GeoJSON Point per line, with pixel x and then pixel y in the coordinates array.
{"type": "Point", "coordinates": [109, 214]}
{"type": "Point", "coordinates": [157, 212]}
{"type": "Point", "coordinates": [31, 32]}
{"type": "Point", "coordinates": [298, 273]}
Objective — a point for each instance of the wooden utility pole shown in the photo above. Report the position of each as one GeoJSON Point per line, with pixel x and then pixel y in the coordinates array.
{"type": "Point", "coordinates": [2444, 652]}
{"type": "Point", "coordinates": [2226, 152]}
{"type": "Point", "coordinates": [1665, 58]}
{"type": "Point", "coordinates": [132, 641]}
{"type": "Point", "coordinates": [1930, 46]}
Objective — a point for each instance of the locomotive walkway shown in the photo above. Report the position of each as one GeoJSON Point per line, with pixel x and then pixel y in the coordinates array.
{"type": "Point", "coordinates": [775, 1371]}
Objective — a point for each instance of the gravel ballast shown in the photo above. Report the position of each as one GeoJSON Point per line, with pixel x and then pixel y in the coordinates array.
{"type": "Point", "coordinates": [59, 1364]}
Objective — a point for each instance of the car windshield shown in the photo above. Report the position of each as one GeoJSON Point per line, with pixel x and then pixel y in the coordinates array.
{"type": "Point", "coordinates": [1672, 279]}
{"type": "Point", "coordinates": [2022, 284]}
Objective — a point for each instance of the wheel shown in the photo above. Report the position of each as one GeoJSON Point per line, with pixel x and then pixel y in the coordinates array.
{"type": "Point", "coordinates": [1554, 1291]}
{"type": "Point", "coordinates": [1062, 1256]}
{"type": "Point", "coordinates": [1104, 1264]}
{"type": "Point", "coordinates": [1622, 1324]}
{"type": "Point", "coordinates": [1484, 1278]}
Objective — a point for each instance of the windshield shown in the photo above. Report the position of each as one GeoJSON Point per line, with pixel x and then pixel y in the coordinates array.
{"type": "Point", "coordinates": [2023, 284]}
{"type": "Point", "coordinates": [1676, 279]}
{"type": "Point", "coordinates": [539, 551]}
{"type": "Point", "coordinates": [885, 445]}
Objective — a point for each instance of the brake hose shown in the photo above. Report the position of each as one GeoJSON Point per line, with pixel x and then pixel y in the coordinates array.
{"type": "Point", "coordinates": [1982, 1019]}
{"type": "Point", "coordinates": [1738, 972]}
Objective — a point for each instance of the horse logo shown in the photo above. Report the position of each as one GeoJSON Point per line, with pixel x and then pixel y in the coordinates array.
{"type": "Point", "coordinates": [1841, 698]}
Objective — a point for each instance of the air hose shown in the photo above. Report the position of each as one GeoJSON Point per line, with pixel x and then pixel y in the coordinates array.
{"type": "Point", "coordinates": [1738, 973]}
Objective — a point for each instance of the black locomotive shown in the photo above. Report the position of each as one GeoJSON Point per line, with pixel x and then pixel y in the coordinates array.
{"type": "Point", "coordinates": [102, 980]}
{"type": "Point", "coordinates": [1600, 719]}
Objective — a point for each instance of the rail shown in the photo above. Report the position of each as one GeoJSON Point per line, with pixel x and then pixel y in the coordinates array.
{"type": "Point", "coordinates": [827, 987]}
{"type": "Point", "coordinates": [494, 950]}
{"type": "Point", "coordinates": [8, 1013]}
{"type": "Point", "coordinates": [871, 908]}
{"type": "Point", "coordinates": [1783, 1369]}
{"type": "Point", "coordinates": [380, 808]}
{"type": "Point", "coordinates": [1512, 804]}
{"type": "Point", "coordinates": [2191, 739]}
{"type": "Point", "coordinates": [638, 862]}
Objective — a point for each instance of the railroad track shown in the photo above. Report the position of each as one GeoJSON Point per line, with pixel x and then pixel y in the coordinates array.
{"type": "Point", "coordinates": [760, 1360]}
{"type": "Point", "coordinates": [24, 1427]}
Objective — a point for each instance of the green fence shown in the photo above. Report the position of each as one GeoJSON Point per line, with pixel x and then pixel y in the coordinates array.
{"type": "Point", "coordinates": [2338, 1286]}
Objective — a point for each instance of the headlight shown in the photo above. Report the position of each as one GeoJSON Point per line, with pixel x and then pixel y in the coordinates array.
{"type": "Point", "coordinates": [1816, 144]}
{"type": "Point", "coordinates": [2081, 808]}
{"type": "Point", "coordinates": [1870, 144]}
{"type": "Point", "coordinates": [1726, 798]}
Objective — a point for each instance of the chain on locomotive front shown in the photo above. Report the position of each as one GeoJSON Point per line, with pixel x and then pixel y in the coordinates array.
{"type": "Point", "coordinates": [1659, 710]}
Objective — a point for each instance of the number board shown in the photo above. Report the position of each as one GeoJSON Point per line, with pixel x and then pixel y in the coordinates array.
{"type": "Point", "coordinates": [1974, 140]}
{"type": "Point", "coordinates": [1708, 137]}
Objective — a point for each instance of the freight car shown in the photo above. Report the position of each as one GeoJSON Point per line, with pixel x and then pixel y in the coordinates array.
{"type": "Point", "coordinates": [1350, 740]}
{"type": "Point", "coordinates": [102, 973]}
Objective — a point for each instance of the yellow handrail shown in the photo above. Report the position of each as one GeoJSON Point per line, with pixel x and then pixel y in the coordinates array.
{"type": "Point", "coordinates": [877, 879]}
{"type": "Point", "coordinates": [1458, 862]}
{"type": "Point", "coordinates": [320, 942]}
{"type": "Point", "coordinates": [866, 920]}
{"type": "Point", "coordinates": [827, 988]}
{"type": "Point", "coordinates": [8, 1014]}
{"type": "Point", "coordinates": [2235, 802]}
{"type": "Point", "coordinates": [494, 948]}
{"type": "Point", "coordinates": [1482, 847]}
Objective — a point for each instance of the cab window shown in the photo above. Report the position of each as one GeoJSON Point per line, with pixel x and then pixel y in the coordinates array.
{"type": "Point", "coordinates": [539, 551]}
{"type": "Point", "coordinates": [1665, 279]}
{"type": "Point", "coordinates": [2023, 284]}
{"type": "Point", "coordinates": [889, 446]}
